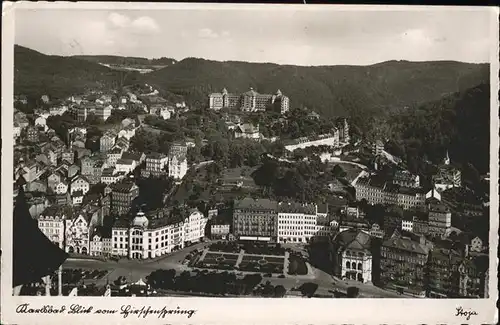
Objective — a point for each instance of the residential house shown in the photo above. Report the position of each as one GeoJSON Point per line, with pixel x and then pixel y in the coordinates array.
{"type": "Point", "coordinates": [79, 183]}
{"type": "Point", "coordinates": [61, 187]}
{"type": "Point", "coordinates": [247, 131]}
{"type": "Point", "coordinates": [77, 197]}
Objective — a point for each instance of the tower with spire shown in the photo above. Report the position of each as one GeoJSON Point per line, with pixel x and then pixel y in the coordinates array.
{"type": "Point", "coordinates": [446, 160]}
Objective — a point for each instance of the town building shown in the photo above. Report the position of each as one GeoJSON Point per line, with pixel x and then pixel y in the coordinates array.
{"type": "Point", "coordinates": [177, 162]}
{"type": "Point", "coordinates": [406, 179]}
{"type": "Point", "coordinates": [439, 219]}
{"type": "Point", "coordinates": [32, 134]}
{"type": "Point", "coordinates": [331, 139]}
{"type": "Point", "coordinates": [144, 237]}
{"type": "Point", "coordinates": [79, 183]}
{"type": "Point", "coordinates": [113, 156]}
{"type": "Point", "coordinates": [402, 264]}
{"type": "Point", "coordinates": [77, 235]}
{"type": "Point", "coordinates": [107, 141]}
{"type": "Point", "coordinates": [447, 176]}
{"type": "Point", "coordinates": [125, 165]}
{"type": "Point", "coordinates": [377, 148]}
{"type": "Point", "coordinates": [442, 275]}
{"type": "Point", "coordinates": [255, 219]}
{"type": "Point", "coordinates": [247, 131]}
{"type": "Point", "coordinates": [352, 256]}
{"type": "Point", "coordinates": [68, 155]}
{"type": "Point", "coordinates": [250, 101]}
{"type": "Point", "coordinates": [61, 187]}
{"type": "Point", "coordinates": [378, 191]}
{"type": "Point", "coordinates": [473, 276]}
{"type": "Point", "coordinates": [343, 127]}
{"type": "Point", "coordinates": [81, 114]}
{"type": "Point", "coordinates": [219, 231]}
{"type": "Point", "coordinates": [103, 112]}
{"type": "Point", "coordinates": [122, 197]}
{"type": "Point", "coordinates": [296, 222]}
{"type": "Point", "coordinates": [155, 165]}
{"type": "Point", "coordinates": [194, 226]}
{"type": "Point", "coordinates": [376, 231]}
{"type": "Point", "coordinates": [52, 223]}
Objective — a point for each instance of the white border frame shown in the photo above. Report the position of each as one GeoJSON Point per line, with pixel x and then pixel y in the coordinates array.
{"type": "Point", "coordinates": [244, 310]}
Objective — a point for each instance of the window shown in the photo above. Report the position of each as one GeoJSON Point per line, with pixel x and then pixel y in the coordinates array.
{"type": "Point", "coordinates": [348, 265]}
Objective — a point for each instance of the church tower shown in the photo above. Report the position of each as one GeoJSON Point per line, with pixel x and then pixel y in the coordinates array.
{"type": "Point", "coordinates": [446, 160]}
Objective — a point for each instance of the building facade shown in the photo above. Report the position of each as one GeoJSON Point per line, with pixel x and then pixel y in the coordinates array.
{"type": "Point", "coordinates": [255, 219]}
{"type": "Point", "coordinates": [122, 197]}
{"type": "Point", "coordinates": [352, 257]}
{"type": "Point", "coordinates": [402, 265]}
{"type": "Point", "coordinates": [77, 235]}
{"type": "Point", "coordinates": [296, 222]}
{"type": "Point", "coordinates": [250, 101]}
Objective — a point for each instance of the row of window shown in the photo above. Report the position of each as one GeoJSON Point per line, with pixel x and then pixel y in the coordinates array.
{"type": "Point", "coordinates": [349, 265]}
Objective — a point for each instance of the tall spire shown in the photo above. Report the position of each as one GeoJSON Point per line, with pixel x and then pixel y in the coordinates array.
{"type": "Point", "coordinates": [447, 158]}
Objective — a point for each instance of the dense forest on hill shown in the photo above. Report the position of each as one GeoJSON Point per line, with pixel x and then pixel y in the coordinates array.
{"type": "Point", "coordinates": [355, 91]}
{"type": "Point", "coordinates": [459, 123]}
{"type": "Point", "coordinates": [126, 60]}
{"type": "Point", "coordinates": [37, 74]}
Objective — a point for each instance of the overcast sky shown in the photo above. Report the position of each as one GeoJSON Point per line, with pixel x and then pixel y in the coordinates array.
{"type": "Point", "coordinates": [302, 37]}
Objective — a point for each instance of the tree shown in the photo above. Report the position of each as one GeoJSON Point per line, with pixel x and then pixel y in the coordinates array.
{"type": "Point", "coordinates": [352, 292]}
{"type": "Point", "coordinates": [279, 291]}
{"type": "Point", "coordinates": [308, 289]}
{"type": "Point", "coordinates": [338, 171]}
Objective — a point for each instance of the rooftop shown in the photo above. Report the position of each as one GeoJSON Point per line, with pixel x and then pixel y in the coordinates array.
{"type": "Point", "coordinates": [406, 244]}
{"type": "Point", "coordinates": [294, 207]}
{"type": "Point", "coordinates": [256, 204]}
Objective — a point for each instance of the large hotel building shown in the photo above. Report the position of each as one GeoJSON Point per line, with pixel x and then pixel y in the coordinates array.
{"type": "Point", "coordinates": [250, 101]}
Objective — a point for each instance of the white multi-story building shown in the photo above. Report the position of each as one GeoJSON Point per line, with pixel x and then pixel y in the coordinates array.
{"type": "Point", "coordinates": [77, 235]}
{"type": "Point", "coordinates": [296, 222]}
{"type": "Point", "coordinates": [194, 226]}
{"type": "Point", "coordinates": [177, 166]}
{"type": "Point", "coordinates": [52, 223]}
{"type": "Point", "coordinates": [145, 238]}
